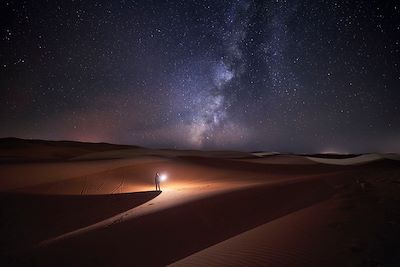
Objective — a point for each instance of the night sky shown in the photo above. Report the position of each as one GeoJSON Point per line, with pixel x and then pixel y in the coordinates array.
{"type": "Point", "coordinates": [289, 76]}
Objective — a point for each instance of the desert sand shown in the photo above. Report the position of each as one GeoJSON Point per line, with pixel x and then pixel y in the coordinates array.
{"type": "Point", "coordinates": [80, 204]}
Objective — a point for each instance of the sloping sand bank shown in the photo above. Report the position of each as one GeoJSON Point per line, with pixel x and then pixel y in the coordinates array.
{"type": "Point", "coordinates": [28, 219]}
{"type": "Point", "coordinates": [206, 221]}
{"type": "Point", "coordinates": [222, 209]}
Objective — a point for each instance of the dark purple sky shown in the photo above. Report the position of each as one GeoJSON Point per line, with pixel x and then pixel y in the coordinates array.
{"type": "Point", "coordinates": [294, 76]}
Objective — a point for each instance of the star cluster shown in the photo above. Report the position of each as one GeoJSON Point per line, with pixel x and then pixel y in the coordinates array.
{"type": "Point", "coordinates": [283, 75]}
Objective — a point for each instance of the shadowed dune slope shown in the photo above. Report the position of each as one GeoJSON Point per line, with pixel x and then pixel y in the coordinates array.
{"type": "Point", "coordinates": [287, 241]}
{"type": "Point", "coordinates": [362, 159]}
{"type": "Point", "coordinates": [177, 232]}
{"type": "Point", "coordinates": [27, 219]}
{"type": "Point", "coordinates": [281, 159]}
{"type": "Point", "coordinates": [358, 226]}
{"type": "Point", "coordinates": [165, 153]}
{"type": "Point", "coordinates": [355, 160]}
{"type": "Point", "coordinates": [22, 150]}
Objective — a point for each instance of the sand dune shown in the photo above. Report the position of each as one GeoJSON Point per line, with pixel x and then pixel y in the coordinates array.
{"type": "Point", "coordinates": [392, 156]}
{"type": "Point", "coordinates": [362, 159]}
{"type": "Point", "coordinates": [15, 176]}
{"type": "Point", "coordinates": [29, 219]}
{"type": "Point", "coordinates": [263, 154]}
{"type": "Point", "coordinates": [286, 241]}
{"type": "Point", "coordinates": [339, 231]}
{"type": "Point", "coordinates": [165, 153]}
{"type": "Point", "coordinates": [216, 209]}
{"type": "Point", "coordinates": [281, 159]}
{"type": "Point", "coordinates": [137, 175]}
{"type": "Point", "coordinates": [167, 229]}
{"type": "Point", "coordinates": [20, 150]}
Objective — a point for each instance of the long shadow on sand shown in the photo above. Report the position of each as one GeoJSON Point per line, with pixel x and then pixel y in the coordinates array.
{"type": "Point", "coordinates": [27, 219]}
{"type": "Point", "coordinates": [163, 237]}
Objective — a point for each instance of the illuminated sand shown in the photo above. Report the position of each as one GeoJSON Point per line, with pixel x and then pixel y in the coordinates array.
{"type": "Point", "coordinates": [357, 226]}
{"type": "Point", "coordinates": [31, 174]}
{"type": "Point", "coordinates": [216, 210]}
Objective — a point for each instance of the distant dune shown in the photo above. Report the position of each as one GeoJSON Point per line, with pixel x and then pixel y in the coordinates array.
{"type": "Point", "coordinates": [361, 159]}
{"type": "Point", "coordinates": [166, 153]}
{"type": "Point", "coordinates": [281, 159]}
{"type": "Point", "coordinates": [21, 150]}
{"type": "Point", "coordinates": [64, 203]}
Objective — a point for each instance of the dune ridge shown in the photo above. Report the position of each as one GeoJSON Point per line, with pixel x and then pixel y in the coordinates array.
{"type": "Point", "coordinates": [224, 208]}
{"type": "Point", "coordinates": [172, 236]}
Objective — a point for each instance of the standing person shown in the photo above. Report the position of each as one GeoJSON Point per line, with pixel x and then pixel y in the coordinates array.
{"type": "Point", "coordinates": [157, 181]}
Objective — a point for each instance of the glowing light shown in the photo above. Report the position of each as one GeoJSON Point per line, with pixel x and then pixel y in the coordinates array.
{"type": "Point", "coordinates": [163, 177]}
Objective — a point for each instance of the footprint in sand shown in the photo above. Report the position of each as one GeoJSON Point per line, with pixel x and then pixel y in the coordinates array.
{"type": "Point", "coordinates": [116, 221]}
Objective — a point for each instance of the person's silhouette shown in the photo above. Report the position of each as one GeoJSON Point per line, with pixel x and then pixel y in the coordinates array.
{"type": "Point", "coordinates": [157, 179]}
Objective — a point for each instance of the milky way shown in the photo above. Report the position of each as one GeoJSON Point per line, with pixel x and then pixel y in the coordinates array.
{"type": "Point", "coordinates": [290, 76]}
{"type": "Point", "coordinates": [211, 116]}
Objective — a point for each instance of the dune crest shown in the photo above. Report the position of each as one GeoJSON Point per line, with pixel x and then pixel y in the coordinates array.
{"type": "Point", "coordinates": [217, 208]}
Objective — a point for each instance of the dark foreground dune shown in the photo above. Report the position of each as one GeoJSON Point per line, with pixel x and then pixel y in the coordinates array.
{"type": "Point", "coordinates": [359, 225]}
{"type": "Point", "coordinates": [171, 234]}
{"type": "Point", "coordinates": [216, 210]}
{"type": "Point", "coordinates": [28, 219]}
